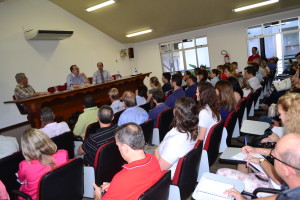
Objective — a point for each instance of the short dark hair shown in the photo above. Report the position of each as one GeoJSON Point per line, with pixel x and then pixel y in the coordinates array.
{"type": "Point", "coordinates": [250, 70]}
{"type": "Point", "coordinates": [297, 54]}
{"type": "Point", "coordinates": [132, 135]}
{"type": "Point", "coordinates": [71, 68]}
{"type": "Point", "coordinates": [234, 63]}
{"type": "Point", "coordinates": [47, 114]}
{"type": "Point", "coordinates": [142, 90]}
{"type": "Point", "coordinates": [215, 71]}
{"type": "Point", "coordinates": [158, 96]}
{"type": "Point", "coordinates": [193, 78]}
{"type": "Point", "coordinates": [255, 48]}
{"type": "Point", "coordinates": [177, 79]}
{"type": "Point", "coordinates": [105, 114]}
{"type": "Point", "coordinates": [187, 72]}
{"type": "Point", "coordinates": [129, 99]}
{"type": "Point", "coordinates": [167, 76]}
{"type": "Point", "coordinates": [255, 65]}
{"type": "Point", "coordinates": [88, 101]}
{"type": "Point", "coordinates": [204, 73]}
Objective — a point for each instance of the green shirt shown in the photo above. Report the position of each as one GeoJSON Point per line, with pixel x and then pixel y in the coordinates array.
{"type": "Point", "coordinates": [88, 116]}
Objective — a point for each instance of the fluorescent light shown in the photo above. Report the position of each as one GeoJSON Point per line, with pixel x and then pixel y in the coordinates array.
{"type": "Point", "coordinates": [255, 5]}
{"type": "Point", "coordinates": [106, 3]}
{"type": "Point", "coordinates": [139, 33]}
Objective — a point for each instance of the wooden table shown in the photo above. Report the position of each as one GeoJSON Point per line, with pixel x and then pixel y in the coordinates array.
{"type": "Point", "coordinates": [67, 102]}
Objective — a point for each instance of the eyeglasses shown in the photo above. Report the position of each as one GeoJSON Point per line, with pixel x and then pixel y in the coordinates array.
{"type": "Point", "coordinates": [271, 155]}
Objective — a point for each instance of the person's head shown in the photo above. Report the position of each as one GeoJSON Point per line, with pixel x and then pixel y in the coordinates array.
{"type": "Point", "coordinates": [186, 117]}
{"type": "Point", "coordinates": [220, 68]}
{"type": "Point", "coordinates": [214, 73]}
{"type": "Point", "coordinates": [297, 56]}
{"type": "Point", "coordinates": [224, 91]}
{"type": "Point", "coordinates": [186, 75]}
{"type": "Point", "coordinates": [142, 90]}
{"type": "Point", "coordinates": [250, 72]}
{"type": "Point", "coordinates": [88, 101]}
{"type": "Point", "coordinates": [254, 50]}
{"type": "Point", "coordinates": [202, 67]}
{"type": "Point", "coordinates": [236, 86]}
{"type": "Point", "coordinates": [292, 119]}
{"type": "Point", "coordinates": [166, 77]}
{"type": "Point", "coordinates": [154, 82]}
{"type": "Point", "coordinates": [206, 95]}
{"type": "Point", "coordinates": [191, 80]}
{"type": "Point", "coordinates": [287, 159]}
{"type": "Point", "coordinates": [129, 99]}
{"type": "Point", "coordinates": [100, 66]}
{"type": "Point", "coordinates": [36, 145]}
{"type": "Point", "coordinates": [235, 65]}
{"type": "Point", "coordinates": [196, 70]}
{"type": "Point", "coordinates": [158, 96]}
{"type": "Point", "coordinates": [113, 93]}
{"type": "Point", "coordinates": [74, 69]}
{"type": "Point", "coordinates": [176, 80]}
{"type": "Point", "coordinates": [105, 114]}
{"type": "Point", "coordinates": [203, 75]}
{"type": "Point", "coordinates": [255, 65]}
{"type": "Point", "coordinates": [47, 115]}
{"type": "Point", "coordinates": [229, 70]}
{"type": "Point", "coordinates": [243, 82]}
{"type": "Point", "coordinates": [21, 78]}
{"type": "Point", "coordinates": [129, 138]}
{"type": "Point", "coordinates": [257, 61]}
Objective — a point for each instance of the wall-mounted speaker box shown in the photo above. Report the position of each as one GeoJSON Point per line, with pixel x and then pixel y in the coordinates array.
{"type": "Point", "coordinates": [130, 53]}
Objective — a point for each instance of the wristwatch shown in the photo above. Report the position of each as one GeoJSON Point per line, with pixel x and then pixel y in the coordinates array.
{"type": "Point", "coordinates": [261, 160]}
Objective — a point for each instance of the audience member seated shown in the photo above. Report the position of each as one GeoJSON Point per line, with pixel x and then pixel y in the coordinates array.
{"type": "Point", "coordinates": [227, 101]}
{"type": "Point", "coordinates": [260, 69]}
{"type": "Point", "coordinates": [158, 99]}
{"type": "Point", "coordinates": [49, 126]}
{"type": "Point", "coordinates": [186, 75]}
{"type": "Point", "coordinates": [196, 70]}
{"type": "Point", "coordinates": [182, 137]}
{"type": "Point", "coordinates": [221, 69]}
{"type": "Point", "coordinates": [250, 73]}
{"type": "Point", "coordinates": [176, 82]}
{"type": "Point", "coordinates": [237, 90]}
{"type": "Point", "coordinates": [138, 175]}
{"type": "Point", "coordinates": [253, 56]}
{"type": "Point", "coordinates": [257, 74]}
{"type": "Point", "coordinates": [229, 71]}
{"type": "Point", "coordinates": [214, 76]}
{"type": "Point", "coordinates": [133, 113]}
{"type": "Point", "coordinates": [235, 65]}
{"type": "Point", "coordinates": [244, 85]}
{"type": "Point", "coordinates": [208, 107]}
{"type": "Point", "coordinates": [8, 146]}
{"type": "Point", "coordinates": [103, 135]}
{"type": "Point", "coordinates": [140, 93]}
{"type": "Point", "coordinates": [192, 86]}
{"type": "Point", "coordinates": [76, 79]}
{"type": "Point", "coordinates": [286, 164]}
{"type": "Point", "coordinates": [155, 86]}
{"type": "Point", "coordinates": [88, 116]}
{"type": "Point", "coordinates": [23, 89]}
{"type": "Point", "coordinates": [166, 80]}
{"type": "Point", "coordinates": [101, 75]}
{"type": "Point", "coordinates": [41, 156]}
{"type": "Point", "coordinates": [3, 193]}
{"type": "Point", "coordinates": [116, 104]}
{"type": "Point", "coordinates": [202, 75]}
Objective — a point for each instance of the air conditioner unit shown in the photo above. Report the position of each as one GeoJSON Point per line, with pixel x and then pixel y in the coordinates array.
{"type": "Point", "coordinates": [35, 34]}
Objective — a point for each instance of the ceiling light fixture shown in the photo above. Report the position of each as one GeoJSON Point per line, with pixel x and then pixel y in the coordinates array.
{"type": "Point", "coordinates": [106, 3]}
{"type": "Point", "coordinates": [139, 33]}
{"type": "Point", "coordinates": [255, 5]}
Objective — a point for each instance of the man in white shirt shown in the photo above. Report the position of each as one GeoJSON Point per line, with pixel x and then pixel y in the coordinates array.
{"type": "Point", "coordinates": [101, 75]}
{"type": "Point", "coordinates": [250, 73]}
{"type": "Point", "coordinates": [116, 104]}
{"type": "Point", "coordinates": [76, 79]}
{"type": "Point", "coordinates": [50, 127]}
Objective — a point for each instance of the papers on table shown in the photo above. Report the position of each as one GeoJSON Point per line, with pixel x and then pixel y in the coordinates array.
{"type": "Point", "coordinates": [254, 127]}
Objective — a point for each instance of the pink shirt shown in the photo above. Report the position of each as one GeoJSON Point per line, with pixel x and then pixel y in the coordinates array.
{"type": "Point", "coordinates": [3, 192]}
{"type": "Point", "coordinates": [31, 172]}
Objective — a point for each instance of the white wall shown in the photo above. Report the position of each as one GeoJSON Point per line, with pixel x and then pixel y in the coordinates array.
{"type": "Point", "coordinates": [46, 63]}
{"type": "Point", "coordinates": [230, 37]}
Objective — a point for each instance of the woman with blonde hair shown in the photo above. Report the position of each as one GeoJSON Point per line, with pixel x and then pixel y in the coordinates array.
{"type": "Point", "coordinates": [41, 155]}
{"type": "Point", "coordinates": [155, 85]}
{"type": "Point", "coordinates": [244, 85]}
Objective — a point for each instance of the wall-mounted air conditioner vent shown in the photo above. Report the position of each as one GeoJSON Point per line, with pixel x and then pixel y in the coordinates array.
{"type": "Point", "coordinates": [35, 34]}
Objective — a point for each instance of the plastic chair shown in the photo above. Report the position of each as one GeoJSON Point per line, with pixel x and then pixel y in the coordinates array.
{"type": "Point", "coordinates": [65, 141]}
{"type": "Point", "coordinates": [91, 128]}
{"type": "Point", "coordinates": [163, 122]}
{"type": "Point", "coordinates": [146, 107]}
{"type": "Point", "coordinates": [147, 128]}
{"type": "Point", "coordinates": [241, 107]}
{"type": "Point", "coordinates": [21, 108]}
{"type": "Point", "coordinates": [117, 116]}
{"type": "Point", "coordinates": [230, 124]}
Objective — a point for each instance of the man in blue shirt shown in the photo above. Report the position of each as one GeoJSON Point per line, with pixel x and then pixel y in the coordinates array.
{"type": "Point", "coordinates": [76, 79]}
{"type": "Point", "coordinates": [158, 99]}
{"type": "Point", "coordinates": [133, 113]}
{"type": "Point", "coordinates": [166, 80]}
{"type": "Point", "coordinates": [176, 82]}
{"type": "Point", "coordinates": [192, 86]}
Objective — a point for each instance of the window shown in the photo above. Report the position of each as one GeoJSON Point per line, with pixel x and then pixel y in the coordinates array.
{"type": "Point", "coordinates": [184, 54]}
{"type": "Point", "coordinates": [278, 38]}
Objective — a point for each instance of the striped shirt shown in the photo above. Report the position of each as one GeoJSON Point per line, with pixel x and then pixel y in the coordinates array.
{"type": "Point", "coordinates": [24, 91]}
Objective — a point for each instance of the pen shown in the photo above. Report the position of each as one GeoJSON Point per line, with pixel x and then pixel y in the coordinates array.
{"type": "Point", "coordinates": [246, 142]}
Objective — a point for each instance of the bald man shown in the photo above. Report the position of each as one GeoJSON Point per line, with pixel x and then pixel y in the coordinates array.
{"type": "Point", "coordinates": [287, 165]}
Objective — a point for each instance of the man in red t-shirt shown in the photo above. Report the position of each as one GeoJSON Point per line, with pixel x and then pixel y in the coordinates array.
{"type": "Point", "coordinates": [138, 175]}
{"type": "Point", "coordinates": [254, 55]}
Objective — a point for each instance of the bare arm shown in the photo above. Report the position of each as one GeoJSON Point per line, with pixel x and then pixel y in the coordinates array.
{"type": "Point", "coordinates": [201, 133]}
{"type": "Point", "coordinates": [80, 150]}
{"type": "Point", "coordinates": [164, 165]}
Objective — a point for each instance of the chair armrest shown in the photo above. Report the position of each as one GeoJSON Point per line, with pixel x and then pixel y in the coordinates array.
{"type": "Point", "coordinates": [266, 190]}
{"type": "Point", "coordinates": [21, 194]}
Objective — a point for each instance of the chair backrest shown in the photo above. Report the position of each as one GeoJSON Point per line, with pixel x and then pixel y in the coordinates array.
{"type": "Point", "coordinates": [167, 94]}
{"type": "Point", "coordinates": [256, 95]}
{"type": "Point", "coordinates": [146, 106]}
{"type": "Point", "coordinates": [65, 141]}
{"type": "Point", "coordinates": [147, 128]}
{"type": "Point", "coordinates": [90, 129]}
{"type": "Point", "coordinates": [62, 87]}
{"type": "Point", "coordinates": [108, 162]}
{"type": "Point", "coordinates": [241, 109]}
{"type": "Point", "coordinates": [164, 121]}
{"type": "Point", "coordinates": [250, 99]}
{"type": "Point", "coordinates": [63, 182]}
{"type": "Point", "coordinates": [229, 124]}
{"type": "Point", "coordinates": [213, 141]}
{"type": "Point", "coordinates": [9, 166]}
{"type": "Point", "coordinates": [51, 89]}
{"type": "Point", "coordinates": [159, 190]}
{"type": "Point", "coordinates": [21, 108]}
{"type": "Point", "coordinates": [186, 173]}
{"type": "Point", "coordinates": [117, 116]}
